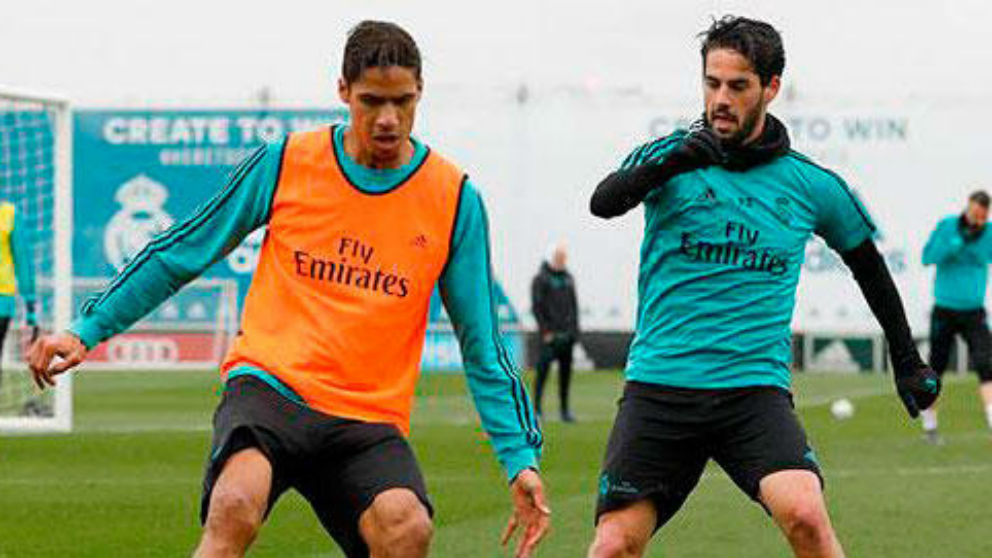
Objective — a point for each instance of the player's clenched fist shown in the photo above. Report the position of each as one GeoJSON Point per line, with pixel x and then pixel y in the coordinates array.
{"type": "Point", "coordinates": [66, 346]}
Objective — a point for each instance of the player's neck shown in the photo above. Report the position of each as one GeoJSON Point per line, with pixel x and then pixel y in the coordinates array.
{"type": "Point", "coordinates": [756, 133]}
{"type": "Point", "coordinates": [365, 156]}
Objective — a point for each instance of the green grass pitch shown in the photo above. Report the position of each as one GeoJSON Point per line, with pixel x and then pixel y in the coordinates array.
{"type": "Point", "coordinates": [127, 481]}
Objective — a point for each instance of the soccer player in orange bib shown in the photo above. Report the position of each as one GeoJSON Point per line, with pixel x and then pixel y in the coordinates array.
{"type": "Point", "coordinates": [362, 221]}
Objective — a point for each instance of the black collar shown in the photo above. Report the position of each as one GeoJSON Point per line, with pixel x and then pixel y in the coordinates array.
{"type": "Point", "coordinates": [771, 144]}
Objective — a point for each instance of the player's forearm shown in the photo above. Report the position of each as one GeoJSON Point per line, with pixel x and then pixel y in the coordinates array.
{"type": "Point", "coordinates": [129, 299]}
{"type": "Point", "coordinates": [879, 290]}
{"type": "Point", "coordinates": [505, 412]}
{"type": "Point", "coordinates": [496, 386]}
{"type": "Point", "coordinates": [941, 247]}
{"type": "Point", "coordinates": [514, 456]}
{"type": "Point", "coordinates": [625, 189]}
{"type": "Point", "coordinates": [467, 288]}
{"type": "Point", "coordinates": [654, 165]}
{"type": "Point", "coordinates": [96, 327]}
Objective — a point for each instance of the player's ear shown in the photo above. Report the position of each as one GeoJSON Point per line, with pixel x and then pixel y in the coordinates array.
{"type": "Point", "coordinates": [771, 90]}
{"type": "Point", "coordinates": [344, 90]}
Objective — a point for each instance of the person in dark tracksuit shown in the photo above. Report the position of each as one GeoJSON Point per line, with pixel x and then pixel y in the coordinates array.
{"type": "Point", "coordinates": [961, 249]}
{"type": "Point", "coordinates": [556, 309]}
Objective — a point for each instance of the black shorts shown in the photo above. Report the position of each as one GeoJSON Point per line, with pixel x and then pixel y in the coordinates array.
{"type": "Point", "coordinates": [4, 326]}
{"type": "Point", "coordinates": [663, 437]}
{"type": "Point", "coordinates": [972, 325]}
{"type": "Point", "coordinates": [339, 465]}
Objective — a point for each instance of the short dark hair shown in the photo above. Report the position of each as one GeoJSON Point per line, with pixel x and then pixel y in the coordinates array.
{"type": "Point", "coordinates": [378, 44]}
{"type": "Point", "coordinates": [980, 197]}
{"type": "Point", "coordinates": [757, 41]}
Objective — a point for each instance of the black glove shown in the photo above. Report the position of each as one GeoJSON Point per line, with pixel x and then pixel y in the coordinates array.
{"type": "Point", "coordinates": [622, 190]}
{"type": "Point", "coordinates": [699, 148]}
{"type": "Point", "coordinates": [917, 384]}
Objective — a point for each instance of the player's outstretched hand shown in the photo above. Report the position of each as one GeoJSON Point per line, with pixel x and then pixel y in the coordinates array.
{"type": "Point", "coordinates": [918, 388]}
{"type": "Point", "coordinates": [531, 513]}
{"type": "Point", "coordinates": [66, 346]}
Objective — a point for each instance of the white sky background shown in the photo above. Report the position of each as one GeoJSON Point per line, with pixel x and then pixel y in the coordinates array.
{"type": "Point", "coordinates": [219, 53]}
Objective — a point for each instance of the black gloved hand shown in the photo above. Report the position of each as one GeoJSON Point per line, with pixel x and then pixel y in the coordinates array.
{"type": "Point", "coordinates": [917, 384]}
{"type": "Point", "coordinates": [622, 190]}
{"type": "Point", "coordinates": [968, 231]}
{"type": "Point", "coordinates": [699, 148]}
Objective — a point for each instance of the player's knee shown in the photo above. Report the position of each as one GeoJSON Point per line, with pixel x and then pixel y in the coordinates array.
{"type": "Point", "coordinates": [410, 532]}
{"type": "Point", "coordinates": [613, 541]}
{"type": "Point", "coordinates": [233, 512]}
{"type": "Point", "coordinates": [402, 521]}
{"type": "Point", "coordinates": [806, 520]}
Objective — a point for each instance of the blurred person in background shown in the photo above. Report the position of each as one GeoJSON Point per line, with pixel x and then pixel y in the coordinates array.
{"type": "Point", "coordinates": [556, 309]}
{"type": "Point", "coordinates": [16, 274]}
{"type": "Point", "coordinates": [961, 249]}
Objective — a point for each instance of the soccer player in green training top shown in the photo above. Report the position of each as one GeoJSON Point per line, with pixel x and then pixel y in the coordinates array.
{"type": "Point", "coordinates": [961, 249]}
{"type": "Point", "coordinates": [361, 222]}
{"type": "Point", "coordinates": [728, 211]}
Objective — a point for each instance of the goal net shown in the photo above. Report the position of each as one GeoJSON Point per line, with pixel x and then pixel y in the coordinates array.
{"type": "Point", "coordinates": [35, 250]}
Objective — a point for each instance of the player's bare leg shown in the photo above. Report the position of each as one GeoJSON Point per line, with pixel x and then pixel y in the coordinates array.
{"type": "Point", "coordinates": [985, 390]}
{"type": "Point", "coordinates": [795, 500]}
{"type": "Point", "coordinates": [929, 416]}
{"type": "Point", "coordinates": [237, 506]}
{"type": "Point", "coordinates": [396, 525]}
{"type": "Point", "coordinates": [624, 533]}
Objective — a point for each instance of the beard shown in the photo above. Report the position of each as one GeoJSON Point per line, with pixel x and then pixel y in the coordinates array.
{"type": "Point", "coordinates": [746, 127]}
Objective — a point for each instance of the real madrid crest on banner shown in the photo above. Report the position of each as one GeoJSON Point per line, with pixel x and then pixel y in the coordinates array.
{"type": "Point", "coordinates": [139, 219]}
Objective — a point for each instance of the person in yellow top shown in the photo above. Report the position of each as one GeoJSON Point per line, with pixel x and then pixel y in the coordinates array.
{"type": "Point", "coordinates": [362, 221]}
{"type": "Point", "coordinates": [16, 272]}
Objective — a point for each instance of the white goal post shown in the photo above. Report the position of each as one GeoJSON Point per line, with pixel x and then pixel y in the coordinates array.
{"type": "Point", "coordinates": [36, 177]}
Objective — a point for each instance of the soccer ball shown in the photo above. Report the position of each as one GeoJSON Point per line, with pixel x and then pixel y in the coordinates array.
{"type": "Point", "coordinates": [842, 409]}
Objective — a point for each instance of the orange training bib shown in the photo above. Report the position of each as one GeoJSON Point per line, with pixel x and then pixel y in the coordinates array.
{"type": "Point", "coordinates": [337, 308]}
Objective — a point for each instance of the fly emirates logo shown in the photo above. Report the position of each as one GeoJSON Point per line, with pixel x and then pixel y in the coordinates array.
{"type": "Point", "coordinates": [739, 249]}
{"type": "Point", "coordinates": [352, 266]}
